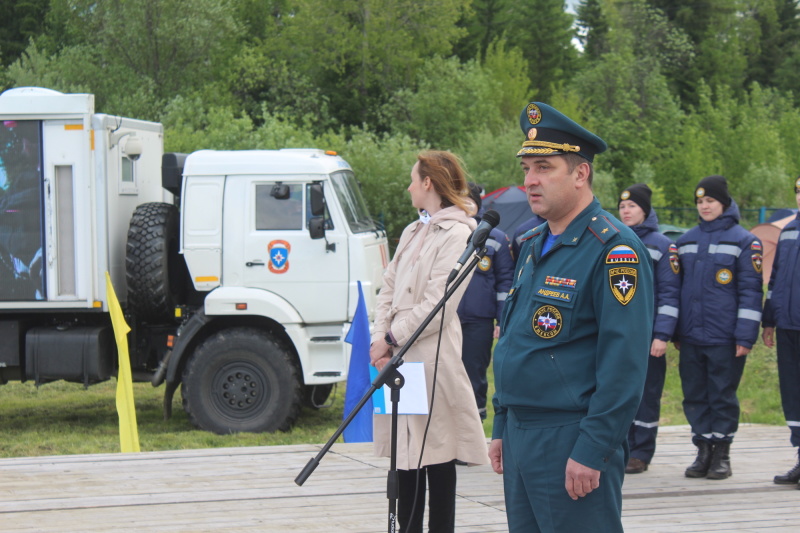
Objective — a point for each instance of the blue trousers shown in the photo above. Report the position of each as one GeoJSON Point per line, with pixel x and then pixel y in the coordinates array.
{"type": "Point", "coordinates": [476, 353]}
{"type": "Point", "coordinates": [710, 376]}
{"type": "Point", "coordinates": [788, 341]}
{"type": "Point", "coordinates": [535, 454]}
{"type": "Point", "coordinates": [644, 430]}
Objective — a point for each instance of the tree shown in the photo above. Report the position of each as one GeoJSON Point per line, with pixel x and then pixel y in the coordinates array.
{"type": "Point", "coordinates": [544, 31]}
{"type": "Point", "coordinates": [20, 22]}
{"type": "Point", "coordinates": [485, 22]}
{"type": "Point", "coordinates": [168, 46]}
{"type": "Point", "coordinates": [594, 28]}
{"type": "Point", "coordinates": [361, 51]}
{"type": "Point", "coordinates": [776, 35]}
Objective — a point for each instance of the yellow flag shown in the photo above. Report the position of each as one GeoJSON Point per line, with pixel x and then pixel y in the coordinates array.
{"type": "Point", "coordinates": [126, 409]}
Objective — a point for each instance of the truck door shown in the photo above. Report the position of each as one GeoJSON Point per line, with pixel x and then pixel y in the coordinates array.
{"type": "Point", "coordinates": [274, 250]}
{"type": "Point", "coordinates": [68, 178]}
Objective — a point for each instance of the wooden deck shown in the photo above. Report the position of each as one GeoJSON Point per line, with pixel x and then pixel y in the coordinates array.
{"type": "Point", "coordinates": [253, 489]}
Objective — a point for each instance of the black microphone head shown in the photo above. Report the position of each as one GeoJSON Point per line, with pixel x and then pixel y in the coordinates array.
{"type": "Point", "coordinates": [491, 217]}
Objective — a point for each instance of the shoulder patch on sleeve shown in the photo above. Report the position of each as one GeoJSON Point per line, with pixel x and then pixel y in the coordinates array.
{"type": "Point", "coordinates": [602, 228]}
{"type": "Point", "coordinates": [623, 282]}
{"type": "Point", "coordinates": [674, 261]}
{"type": "Point", "coordinates": [622, 253]}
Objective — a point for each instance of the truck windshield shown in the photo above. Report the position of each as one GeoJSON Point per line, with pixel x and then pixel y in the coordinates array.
{"type": "Point", "coordinates": [353, 205]}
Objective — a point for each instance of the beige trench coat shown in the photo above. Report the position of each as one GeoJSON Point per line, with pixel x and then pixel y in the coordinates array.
{"type": "Point", "coordinates": [411, 289]}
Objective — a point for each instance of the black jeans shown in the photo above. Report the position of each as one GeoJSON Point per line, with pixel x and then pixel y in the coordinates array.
{"type": "Point", "coordinates": [442, 502]}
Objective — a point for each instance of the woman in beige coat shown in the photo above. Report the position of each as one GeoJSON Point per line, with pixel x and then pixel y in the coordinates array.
{"type": "Point", "coordinates": [413, 284]}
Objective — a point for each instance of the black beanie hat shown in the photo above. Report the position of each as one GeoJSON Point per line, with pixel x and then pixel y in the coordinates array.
{"type": "Point", "coordinates": [475, 194]}
{"type": "Point", "coordinates": [639, 194]}
{"type": "Point", "coordinates": [714, 186]}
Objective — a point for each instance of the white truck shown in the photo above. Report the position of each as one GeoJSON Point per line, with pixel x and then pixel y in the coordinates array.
{"type": "Point", "coordinates": [237, 271]}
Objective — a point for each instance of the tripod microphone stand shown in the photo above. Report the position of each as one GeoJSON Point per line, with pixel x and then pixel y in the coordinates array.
{"type": "Point", "coordinates": [392, 378]}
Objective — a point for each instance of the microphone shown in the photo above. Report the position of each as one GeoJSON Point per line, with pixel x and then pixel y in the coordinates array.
{"type": "Point", "coordinates": [477, 240]}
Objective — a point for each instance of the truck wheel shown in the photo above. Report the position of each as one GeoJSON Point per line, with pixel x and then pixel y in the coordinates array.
{"type": "Point", "coordinates": [241, 380]}
{"type": "Point", "coordinates": [156, 273]}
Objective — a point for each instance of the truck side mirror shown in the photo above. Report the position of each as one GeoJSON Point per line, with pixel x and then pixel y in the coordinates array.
{"type": "Point", "coordinates": [316, 227]}
{"type": "Point", "coordinates": [280, 191]}
{"type": "Point", "coordinates": [317, 200]}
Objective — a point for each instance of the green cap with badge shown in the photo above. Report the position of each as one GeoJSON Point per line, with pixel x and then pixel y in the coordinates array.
{"type": "Point", "coordinates": [548, 131]}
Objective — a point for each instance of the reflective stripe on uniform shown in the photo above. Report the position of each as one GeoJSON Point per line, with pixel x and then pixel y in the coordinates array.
{"type": "Point", "coordinates": [789, 235]}
{"type": "Point", "coordinates": [728, 249]}
{"type": "Point", "coordinates": [655, 254]}
{"type": "Point", "coordinates": [668, 310]}
{"type": "Point", "coordinates": [749, 314]}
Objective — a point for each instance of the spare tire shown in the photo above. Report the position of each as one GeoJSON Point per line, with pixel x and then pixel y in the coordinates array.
{"type": "Point", "coordinates": [155, 271]}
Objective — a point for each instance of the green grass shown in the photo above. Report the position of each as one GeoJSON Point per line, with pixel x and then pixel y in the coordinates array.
{"type": "Point", "coordinates": [63, 418]}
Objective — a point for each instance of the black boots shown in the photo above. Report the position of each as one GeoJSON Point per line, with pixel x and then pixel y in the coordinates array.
{"type": "Point", "coordinates": [699, 467]}
{"type": "Point", "coordinates": [791, 477]}
{"type": "Point", "coordinates": [720, 461]}
{"type": "Point", "coordinates": [713, 461]}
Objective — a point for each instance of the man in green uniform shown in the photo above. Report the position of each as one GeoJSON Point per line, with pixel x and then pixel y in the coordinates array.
{"type": "Point", "coordinates": [569, 369]}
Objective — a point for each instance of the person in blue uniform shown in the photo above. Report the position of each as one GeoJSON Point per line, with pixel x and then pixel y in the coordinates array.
{"type": "Point", "coordinates": [482, 304]}
{"type": "Point", "coordinates": [522, 229]}
{"type": "Point", "coordinates": [571, 360]}
{"type": "Point", "coordinates": [781, 320]}
{"type": "Point", "coordinates": [636, 212]}
{"type": "Point", "coordinates": [719, 320]}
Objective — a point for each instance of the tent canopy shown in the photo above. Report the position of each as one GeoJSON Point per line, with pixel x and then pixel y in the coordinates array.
{"type": "Point", "coordinates": [768, 234]}
{"type": "Point", "coordinates": [511, 203]}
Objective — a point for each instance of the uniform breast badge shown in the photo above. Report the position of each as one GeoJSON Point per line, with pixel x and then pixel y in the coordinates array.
{"type": "Point", "coordinates": [724, 276]}
{"type": "Point", "coordinates": [547, 321]}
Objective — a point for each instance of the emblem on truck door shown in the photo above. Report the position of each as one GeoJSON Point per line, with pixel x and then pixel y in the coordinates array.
{"type": "Point", "coordinates": [279, 256]}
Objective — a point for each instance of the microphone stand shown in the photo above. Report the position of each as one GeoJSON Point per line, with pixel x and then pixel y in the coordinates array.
{"type": "Point", "coordinates": [391, 377]}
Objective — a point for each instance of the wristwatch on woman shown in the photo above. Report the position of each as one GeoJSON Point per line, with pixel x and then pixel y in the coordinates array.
{"type": "Point", "coordinates": [389, 340]}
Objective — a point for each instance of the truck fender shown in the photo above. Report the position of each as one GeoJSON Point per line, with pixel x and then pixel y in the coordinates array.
{"type": "Point", "coordinates": [187, 333]}
{"type": "Point", "coordinates": [224, 301]}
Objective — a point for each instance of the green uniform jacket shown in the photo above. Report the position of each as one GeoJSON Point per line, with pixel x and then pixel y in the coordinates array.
{"type": "Point", "coordinates": [576, 332]}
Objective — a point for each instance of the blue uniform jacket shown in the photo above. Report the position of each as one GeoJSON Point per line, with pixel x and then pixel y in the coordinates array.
{"type": "Point", "coordinates": [666, 274]}
{"type": "Point", "coordinates": [721, 283]}
{"type": "Point", "coordinates": [487, 290]}
{"type": "Point", "coordinates": [575, 332]}
{"type": "Point", "coordinates": [782, 308]}
{"type": "Point", "coordinates": [522, 229]}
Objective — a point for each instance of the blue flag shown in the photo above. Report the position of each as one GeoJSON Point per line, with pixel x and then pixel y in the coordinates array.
{"type": "Point", "coordinates": [358, 381]}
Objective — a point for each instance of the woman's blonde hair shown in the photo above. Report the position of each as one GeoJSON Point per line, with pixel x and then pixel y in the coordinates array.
{"type": "Point", "coordinates": [446, 172]}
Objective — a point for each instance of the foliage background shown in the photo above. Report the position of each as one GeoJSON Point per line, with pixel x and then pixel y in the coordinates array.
{"type": "Point", "coordinates": [679, 89]}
